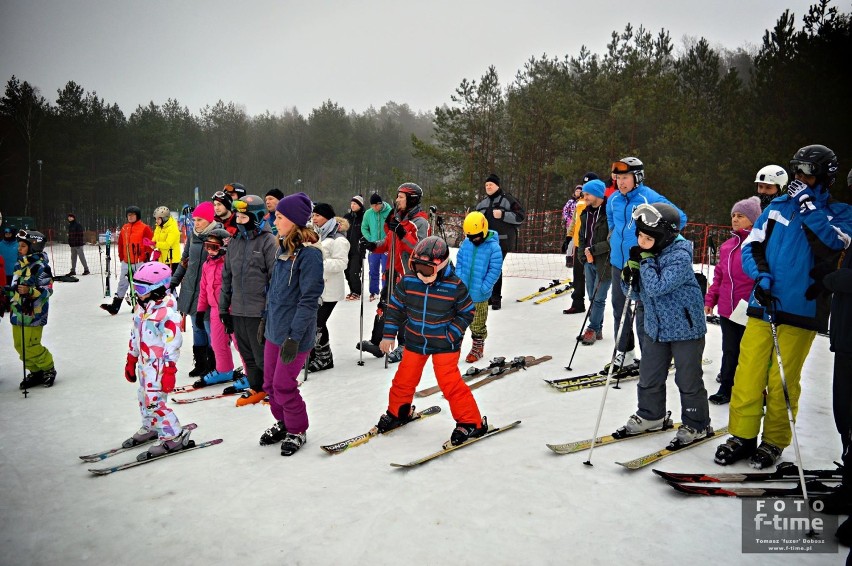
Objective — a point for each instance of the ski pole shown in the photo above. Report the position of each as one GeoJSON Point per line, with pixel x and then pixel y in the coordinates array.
{"type": "Point", "coordinates": [23, 351]}
{"type": "Point", "coordinates": [588, 312]}
{"type": "Point", "coordinates": [361, 327]}
{"type": "Point", "coordinates": [770, 312]}
{"type": "Point", "coordinates": [627, 302]}
{"type": "Point", "coordinates": [101, 264]}
{"type": "Point", "coordinates": [390, 281]}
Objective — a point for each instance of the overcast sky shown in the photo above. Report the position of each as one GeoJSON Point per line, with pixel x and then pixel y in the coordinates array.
{"type": "Point", "coordinates": [277, 54]}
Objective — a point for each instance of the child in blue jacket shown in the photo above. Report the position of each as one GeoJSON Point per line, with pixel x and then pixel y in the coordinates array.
{"type": "Point", "coordinates": [479, 264]}
{"type": "Point", "coordinates": [659, 271]}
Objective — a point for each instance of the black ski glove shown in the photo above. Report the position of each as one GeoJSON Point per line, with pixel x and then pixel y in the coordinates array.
{"type": "Point", "coordinates": [261, 331]}
{"type": "Point", "coordinates": [227, 322]}
{"type": "Point", "coordinates": [819, 271]}
{"type": "Point", "coordinates": [289, 350]}
{"type": "Point", "coordinates": [365, 246]}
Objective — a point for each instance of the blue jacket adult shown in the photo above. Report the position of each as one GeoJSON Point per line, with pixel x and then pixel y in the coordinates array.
{"type": "Point", "coordinates": [373, 224]}
{"type": "Point", "coordinates": [293, 298]}
{"type": "Point", "coordinates": [787, 245]}
{"type": "Point", "coordinates": [479, 267]}
{"type": "Point", "coordinates": [435, 316]}
{"type": "Point", "coordinates": [619, 218]}
{"type": "Point", "coordinates": [674, 304]}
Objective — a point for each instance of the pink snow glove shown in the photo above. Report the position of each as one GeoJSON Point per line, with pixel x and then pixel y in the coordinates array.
{"type": "Point", "coordinates": [148, 242]}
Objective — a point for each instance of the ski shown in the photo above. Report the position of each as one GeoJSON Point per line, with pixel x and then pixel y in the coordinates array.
{"type": "Point", "coordinates": [555, 294]}
{"type": "Point", "coordinates": [519, 363]}
{"type": "Point", "coordinates": [133, 464]}
{"type": "Point", "coordinates": [186, 401]}
{"type": "Point", "coordinates": [596, 383]}
{"type": "Point", "coordinates": [344, 445]}
{"type": "Point", "coordinates": [542, 290]}
{"type": "Point", "coordinates": [787, 471]}
{"type": "Point", "coordinates": [643, 461]}
{"type": "Point", "coordinates": [98, 456]}
{"type": "Point", "coordinates": [471, 374]}
{"type": "Point", "coordinates": [626, 370]}
{"type": "Point", "coordinates": [580, 445]}
{"type": "Point", "coordinates": [449, 448]}
{"type": "Point", "coordinates": [815, 488]}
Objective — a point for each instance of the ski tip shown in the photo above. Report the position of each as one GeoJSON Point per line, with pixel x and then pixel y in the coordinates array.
{"type": "Point", "coordinates": [588, 463]}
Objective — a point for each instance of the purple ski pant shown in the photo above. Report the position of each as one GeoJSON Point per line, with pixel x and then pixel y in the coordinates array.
{"type": "Point", "coordinates": [281, 385]}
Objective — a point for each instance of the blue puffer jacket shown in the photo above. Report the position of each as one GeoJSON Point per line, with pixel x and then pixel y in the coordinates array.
{"type": "Point", "coordinates": [674, 305]}
{"type": "Point", "coordinates": [619, 211]}
{"type": "Point", "coordinates": [293, 298]}
{"type": "Point", "coordinates": [479, 267]}
{"type": "Point", "coordinates": [779, 245]}
{"type": "Point", "coordinates": [435, 315]}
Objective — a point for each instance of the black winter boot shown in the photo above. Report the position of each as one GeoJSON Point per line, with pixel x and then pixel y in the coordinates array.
{"type": "Point", "coordinates": [199, 360]}
{"type": "Point", "coordinates": [112, 308]}
{"type": "Point", "coordinates": [211, 360]}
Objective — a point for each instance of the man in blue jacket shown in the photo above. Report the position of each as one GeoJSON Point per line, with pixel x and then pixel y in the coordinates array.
{"type": "Point", "coordinates": [630, 179]}
{"type": "Point", "coordinates": [794, 244]}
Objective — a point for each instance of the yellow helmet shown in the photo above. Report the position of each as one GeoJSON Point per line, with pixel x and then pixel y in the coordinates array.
{"type": "Point", "coordinates": [475, 223]}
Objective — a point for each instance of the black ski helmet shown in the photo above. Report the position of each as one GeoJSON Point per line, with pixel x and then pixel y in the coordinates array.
{"type": "Point", "coordinates": [630, 165]}
{"type": "Point", "coordinates": [816, 160]}
{"type": "Point", "coordinates": [238, 189]}
{"type": "Point", "coordinates": [133, 209]}
{"type": "Point", "coordinates": [413, 194]}
{"type": "Point", "coordinates": [35, 240]}
{"type": "Point", "coordinates": [252, 206]}
{"type": "Point", "coordinates": [661, 221]}
{"type": "Point", "coordinates": [431, 250]}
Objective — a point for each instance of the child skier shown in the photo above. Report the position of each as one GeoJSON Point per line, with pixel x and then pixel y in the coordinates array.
{"type": "Point", "coordinates": [28, 296]}
{"type": "Point", "coordinates": [209, 289]}
{"type": "Point", "coordinates": [291, 321]}
{"type": "Point", "coordinates": [479, 264]}
{"type": "Point", "coordinates": [435, 309]}
{"type": "Point", "coordinates": [153, 352]}
{"type": "Point", "coordinates": [659, 271]}
{"type": "Point", "coordinates": [730, 286]}
{"type": "Point", "coordinates": [801, 232]}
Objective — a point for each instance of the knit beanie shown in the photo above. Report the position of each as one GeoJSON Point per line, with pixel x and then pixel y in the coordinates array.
{"type": "Point", "coordinates": [375, 198]}
{"type": "Point", "coordinates": [359, 200]}
{"type": "Point", "coordinates": [223, 198]}
{"type": "Point", "coordinates": [750, 208]}
{"type": "Point", "coordinates": [204, 210]}
{"type": "Point", "coordinates": [590, 176]}
{"type": "Point", "coordinates": [595, 187]}
{"type": "Point", "coordinates": [493, 178]}
{"type": "Point", "coordinates": [324, 210]}
{"type": "Point", "coordinates": [297, 208]}
{"type": "Point", "coordinates": [274, 193]}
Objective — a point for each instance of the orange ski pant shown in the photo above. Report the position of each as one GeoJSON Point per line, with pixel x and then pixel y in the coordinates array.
{"type": "Point", "coordinates": [462, 404]}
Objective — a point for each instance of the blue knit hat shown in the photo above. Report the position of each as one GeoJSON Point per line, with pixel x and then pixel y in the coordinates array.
{"type": "Point", "coordinates": [297, 208]}
{"type": "Point", "coordinates": [595, 187]}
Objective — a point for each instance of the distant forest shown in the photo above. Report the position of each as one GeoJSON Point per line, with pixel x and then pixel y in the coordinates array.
{"type": "Point", "coordinates": [702, 119]}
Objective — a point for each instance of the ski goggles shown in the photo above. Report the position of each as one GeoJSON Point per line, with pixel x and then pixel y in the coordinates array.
{"type": "Point", "coordinates": [423, 268]}
{"type": "Point", "coordinates": [145, 288]}
{"type": "Point", "coordinates": [649, 215]}
{"type": "Point", "coordinates": [29, 236]}
{"type": "Point", "coordinates": [212, 247]}
{"type": "Point", "coordinates": [620, 167]}
{"type": "Point", "coordinates": [239, 206]}
{"type": "Point", "coordinates": [805, 168]}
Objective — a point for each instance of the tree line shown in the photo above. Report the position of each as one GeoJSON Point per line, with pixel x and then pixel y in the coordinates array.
{"type": "Point", "coordinates": [703, 119]}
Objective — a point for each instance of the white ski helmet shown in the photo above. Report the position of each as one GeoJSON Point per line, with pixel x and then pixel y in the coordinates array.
{"type": "Point", "coordinates": [773, 175]}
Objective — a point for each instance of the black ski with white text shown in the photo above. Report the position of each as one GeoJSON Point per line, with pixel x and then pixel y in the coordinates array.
{"type": "Point", "coordinates": [133, 464]}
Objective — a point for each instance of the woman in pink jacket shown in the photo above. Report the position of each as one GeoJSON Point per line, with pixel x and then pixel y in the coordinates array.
{"type": "Point", "coordinates": [208, 299]}
{"type": "Point", "coordinates": [730, 285]}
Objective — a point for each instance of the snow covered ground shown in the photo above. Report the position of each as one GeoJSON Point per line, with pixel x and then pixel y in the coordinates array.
{"type": "Point", "coordinates": [506, 500]}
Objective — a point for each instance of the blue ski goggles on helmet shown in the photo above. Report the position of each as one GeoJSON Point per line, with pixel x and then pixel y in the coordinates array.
{"type": "Point", "coordinates": [145, 288]}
